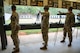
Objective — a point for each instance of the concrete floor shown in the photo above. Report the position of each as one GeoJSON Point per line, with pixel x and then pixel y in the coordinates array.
{"type": "Point", "coordinates": [32, 43]}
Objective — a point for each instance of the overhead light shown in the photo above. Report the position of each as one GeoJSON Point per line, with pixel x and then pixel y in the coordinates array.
{"type": "Point", "coordinates": [73, 0]}
{"type": "Point", "coordinates": [70, 0]}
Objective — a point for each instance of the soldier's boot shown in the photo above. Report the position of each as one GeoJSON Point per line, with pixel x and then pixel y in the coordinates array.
{"type": "Point", "coordinates": [70, 41]}
{"type": "Point", "coordinates": [44, 47]}
{"type": "Point", "coordinates": [69, 45]}
{"type": "Point", "coordinates": [62, 41]}
{"type": "Point", "coordinates": [16, 50]}
{"type": "Point", "coordinates": [15, 46]}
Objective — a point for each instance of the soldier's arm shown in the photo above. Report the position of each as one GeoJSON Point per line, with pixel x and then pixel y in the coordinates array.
{"type": "Point", "coordinates": [17, 19]}
{"type": "Point", "coordinates": [10, 21]}
{"type": "Point", "coordinates": [61, 13]}
{"type": "Point", "coordinates": [73, 20]}
{"type": "Point", "coordinates": [42, 13]}
{"type": "Point", "coordinates": [14, 22]}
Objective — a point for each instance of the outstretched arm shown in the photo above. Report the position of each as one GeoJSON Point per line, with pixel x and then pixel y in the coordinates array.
{"type": "Point", "coordinates": [62, 13]}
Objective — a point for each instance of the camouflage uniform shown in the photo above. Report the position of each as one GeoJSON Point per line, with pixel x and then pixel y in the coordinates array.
{"type": "Point", "coordinates": [15, 28]}
{"type": "Point", "coordinates": [69, 22]}
{"type": "Point", "coordinates": [45, 26]}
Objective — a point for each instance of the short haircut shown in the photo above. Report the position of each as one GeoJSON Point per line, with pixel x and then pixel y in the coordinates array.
{"type": "Point", "coordinates": [46, 7]}
{"type": "Point", "coordinates": [70, 8]}
{"type": "Point", "coordinates": [13, 7]}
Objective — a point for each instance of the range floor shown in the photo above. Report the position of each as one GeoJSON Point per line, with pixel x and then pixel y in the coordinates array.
{"type": "Point", "coordinates": [32, 43]}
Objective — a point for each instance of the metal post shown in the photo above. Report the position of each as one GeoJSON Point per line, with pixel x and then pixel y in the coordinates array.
{"type": "Point", "coordinates": [57, 31]}
{"type": "Point", "coordinates": [2, 30]}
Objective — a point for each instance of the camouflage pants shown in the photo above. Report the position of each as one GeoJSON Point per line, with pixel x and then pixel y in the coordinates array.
{"type": "Point", "coordinates": [15, 39]}
{"type": "Point", "coordinates": [45, 35]}
{"type": "Point", "coordinates": [69, 31]}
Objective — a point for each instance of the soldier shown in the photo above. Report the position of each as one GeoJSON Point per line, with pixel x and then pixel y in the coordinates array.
{"type": "Point", "coordinates": [38, 16]}
{"type": "Point", "coordinates": [45, 26]}
{"type": "Point", "coordinates": [69, 22]}
{"type": "Point", "coordinates": [15, 28]}
{"type": "Point", "coordinates": [78, 16]}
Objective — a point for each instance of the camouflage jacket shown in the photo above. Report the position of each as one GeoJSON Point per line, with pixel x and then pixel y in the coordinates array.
{"type": "Point", "coordinates": [70, 20]}
{"type": "Point", "coordinates": [14, 21]}
{"type": "Point", "coordinates": [45, 20]}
